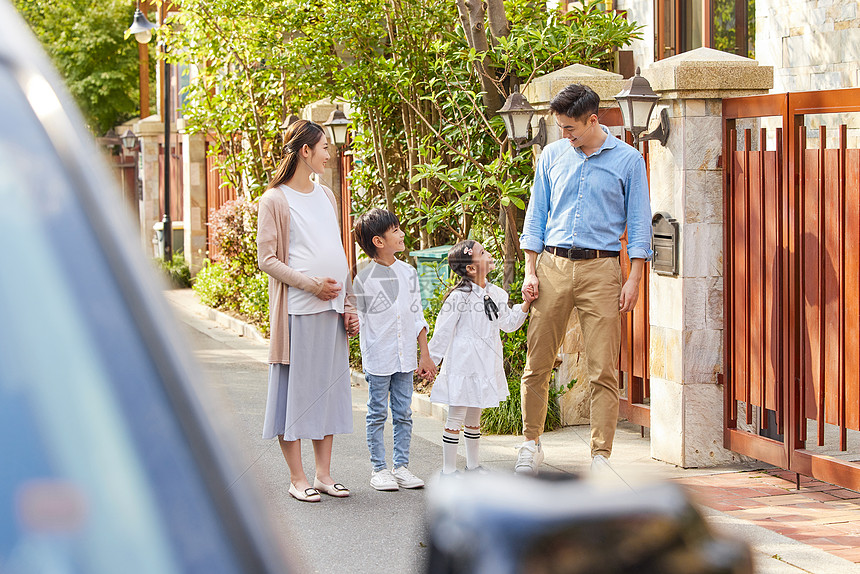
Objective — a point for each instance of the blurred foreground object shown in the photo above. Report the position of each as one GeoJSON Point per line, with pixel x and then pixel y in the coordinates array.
{"type": "Point", "coordinates": [505, 524]}
{"type": "Point", "coordinates": [112, 458]}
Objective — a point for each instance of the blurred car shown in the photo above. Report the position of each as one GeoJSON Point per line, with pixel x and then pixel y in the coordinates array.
{"type": "Point", "coordinates": [109, 461]}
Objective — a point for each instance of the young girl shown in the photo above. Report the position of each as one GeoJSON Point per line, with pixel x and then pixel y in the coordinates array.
{"type": "Point", "coordinates": [467, 338]}
{"type": "Point", "coordinates": [311, 312]}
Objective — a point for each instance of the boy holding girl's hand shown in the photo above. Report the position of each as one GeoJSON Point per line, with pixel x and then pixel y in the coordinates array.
{"type": "Point", "coordinates": [392, 320]}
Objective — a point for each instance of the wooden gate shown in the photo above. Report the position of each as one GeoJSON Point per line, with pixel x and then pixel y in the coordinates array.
{"type": "Point", "coordinates": [218, 192]}
{"type": "Point", "coordinates": [792, 282]}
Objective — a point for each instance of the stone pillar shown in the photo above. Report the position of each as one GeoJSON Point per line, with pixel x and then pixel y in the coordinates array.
{"type": "Point", "coordinates": [572, 363]}
{"type": "Point", "coordinates": [194, 197]}
{"type": "Point", "coordinates": [687, 311]}
{"type": "Point", "coordinates": [150, 132]}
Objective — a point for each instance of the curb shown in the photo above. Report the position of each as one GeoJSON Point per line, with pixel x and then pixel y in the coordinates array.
{"type": "Point", "coordinates": [234, 324]}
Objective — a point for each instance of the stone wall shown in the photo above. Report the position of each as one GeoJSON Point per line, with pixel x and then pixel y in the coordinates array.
{"type": "Point", "coordinates": [811, 44]}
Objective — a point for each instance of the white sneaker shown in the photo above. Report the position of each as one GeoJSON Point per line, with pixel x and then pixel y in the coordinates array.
{"type": "Point", "coordinates": [383, 480]}
{"type": "Point", "coordinates": [530, 457]}
{"type": "Point", "coordinates": [405, 478]}
{"type": "Point", "coordinates": [599, 465]}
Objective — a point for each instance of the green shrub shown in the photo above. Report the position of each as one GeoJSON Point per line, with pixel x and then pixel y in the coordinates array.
{"type": "Point", "coordinates": [211, 286]}
{"type": "Point", "coordinates": [355, 353]}
{"type": "Point", "coordinates": [254, 300]}
{"type": "Point", "coordinates": [177, 271]}
{"type": "Point", "coordinates": [232, 281]}
{"type": "Point", "coordinates": [507, 418]}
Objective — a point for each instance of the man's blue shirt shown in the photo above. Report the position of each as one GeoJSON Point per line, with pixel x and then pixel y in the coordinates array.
{"type": "Point", "coordinates": [580, 201]}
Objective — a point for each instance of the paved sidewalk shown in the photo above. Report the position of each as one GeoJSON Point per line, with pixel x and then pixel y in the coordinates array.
{"type": "Point", "coordinates": [816, 529]}
{"type": "Point", "coordinates": [819, 514]}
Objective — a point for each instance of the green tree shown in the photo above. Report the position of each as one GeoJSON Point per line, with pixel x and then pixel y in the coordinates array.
{"type": "Point", "coordinates": [84, 39]}
{"type": "Point", "coordinates": [424, 80]}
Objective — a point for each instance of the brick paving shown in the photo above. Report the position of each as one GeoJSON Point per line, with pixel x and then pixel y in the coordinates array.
{"type": "Point", "coordinates": [819, 514]}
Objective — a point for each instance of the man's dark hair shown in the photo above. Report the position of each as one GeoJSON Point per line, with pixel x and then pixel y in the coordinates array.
{"type": "Point", "coordinates": [369, 225]}
{"type": "Point", "coordinates": [576, 101]}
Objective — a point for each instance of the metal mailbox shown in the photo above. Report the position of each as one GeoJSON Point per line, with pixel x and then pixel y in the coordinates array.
{"type": "Point", "coordinates": [664, 237]}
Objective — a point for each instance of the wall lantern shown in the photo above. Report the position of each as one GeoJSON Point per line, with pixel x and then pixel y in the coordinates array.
{"type": "Point", "coordinates": [110, 140]}
{"type": "Point", "coordinates": [129, 140]}
{"type": "Point", "coordinates": [637, 101]}
{"type": "Point", "coordinates": [517, 114]}
{"type": "Point", "coordinates": [140, 28]}
{"type": "Point", "coordinates": [337, 126]}
{"type": "Point", "coordinates": [291, 119]}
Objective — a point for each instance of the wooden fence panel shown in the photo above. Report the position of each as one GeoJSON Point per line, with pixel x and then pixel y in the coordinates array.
{"type": "Point", "coordinates": [852, 286]}
{"type": "Point", "coordinates": [811, 267]}
{"type": "Point", "coordinates": [770, 265]}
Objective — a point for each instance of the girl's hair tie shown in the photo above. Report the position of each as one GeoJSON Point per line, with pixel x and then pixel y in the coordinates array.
{"type": "Point", "coordinates": [467, 250]}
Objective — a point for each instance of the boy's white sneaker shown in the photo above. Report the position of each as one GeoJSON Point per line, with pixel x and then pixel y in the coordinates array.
{"type": "Point", "coordinates": [383, 480]}
{"type": "Point", "coordinates": [405, 478]}
{"type": "Point", "coordinates": [529, 458]}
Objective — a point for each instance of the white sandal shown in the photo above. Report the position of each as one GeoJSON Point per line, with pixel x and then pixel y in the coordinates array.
{"type": "Point", "coordinates": [309, 495]}
{"type": "Point", "coordinates": [337, 489]}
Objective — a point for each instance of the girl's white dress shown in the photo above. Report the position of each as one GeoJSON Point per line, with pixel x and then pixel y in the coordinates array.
{"type": "Point", "coordinates": [473, 372]}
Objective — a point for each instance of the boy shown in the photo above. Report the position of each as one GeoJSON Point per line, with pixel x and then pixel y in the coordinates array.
{"type": "Point", "coordinates": [391, 320]}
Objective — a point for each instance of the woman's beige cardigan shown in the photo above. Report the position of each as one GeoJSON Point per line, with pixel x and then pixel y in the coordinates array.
{"type": "Point", "coordinates": [273, 254]}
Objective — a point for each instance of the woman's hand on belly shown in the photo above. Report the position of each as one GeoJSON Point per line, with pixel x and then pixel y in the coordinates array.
{"type": "Point", "coordinates": [330, 289]}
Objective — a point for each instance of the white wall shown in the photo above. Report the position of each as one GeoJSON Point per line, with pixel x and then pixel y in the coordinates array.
{"type": "Point", "coordinates": [641, 12]}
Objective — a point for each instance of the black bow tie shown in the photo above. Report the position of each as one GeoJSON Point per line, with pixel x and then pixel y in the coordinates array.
{"type": "Point", "coordinates": [490, 308]}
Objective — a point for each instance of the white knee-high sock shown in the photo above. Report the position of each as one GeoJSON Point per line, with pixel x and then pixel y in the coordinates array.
{"type": "Point", "coordinates": [450, 442]}
{"type": "Point", "coordinates": [473, 441]}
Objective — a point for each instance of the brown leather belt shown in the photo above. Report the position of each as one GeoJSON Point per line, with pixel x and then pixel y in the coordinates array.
{"type": "Point", "coordinates": [576, 253]}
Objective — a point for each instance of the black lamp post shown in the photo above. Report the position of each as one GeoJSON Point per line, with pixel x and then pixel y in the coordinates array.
{"type": "Point", "coordinates": [517, 114]}
{"type": "Point", "coordinates": [637, 101]}
{"type": "Point", "coordinates": [142, 28]}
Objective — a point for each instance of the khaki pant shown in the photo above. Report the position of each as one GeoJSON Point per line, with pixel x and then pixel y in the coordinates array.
{"type": "Point", "coordinates": [593, 287]}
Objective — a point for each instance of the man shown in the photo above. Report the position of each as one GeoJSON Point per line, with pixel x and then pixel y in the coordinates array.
{"type": "Point", "coordinates": [588, 187]}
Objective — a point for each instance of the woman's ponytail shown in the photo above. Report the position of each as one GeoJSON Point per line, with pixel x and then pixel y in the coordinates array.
{"type": "Point", "coordinates": [297, 136]}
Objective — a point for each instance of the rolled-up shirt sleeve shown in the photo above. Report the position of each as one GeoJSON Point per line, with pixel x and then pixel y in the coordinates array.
{"type": "Point", "coordinates": [638, 206]}
{"type": "Point", "coordinates": [534, 226]}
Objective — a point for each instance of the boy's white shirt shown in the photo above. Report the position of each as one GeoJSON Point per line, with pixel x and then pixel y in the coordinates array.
{"type": "Point", "coordinates": [390, 316]}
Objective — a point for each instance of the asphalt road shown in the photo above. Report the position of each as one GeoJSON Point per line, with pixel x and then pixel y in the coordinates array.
{"type": "Point", "coordinates": [370, 531]}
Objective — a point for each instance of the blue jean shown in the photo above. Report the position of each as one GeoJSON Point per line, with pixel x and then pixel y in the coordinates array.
{"type": "Point", "coordinates": [399, 388]}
